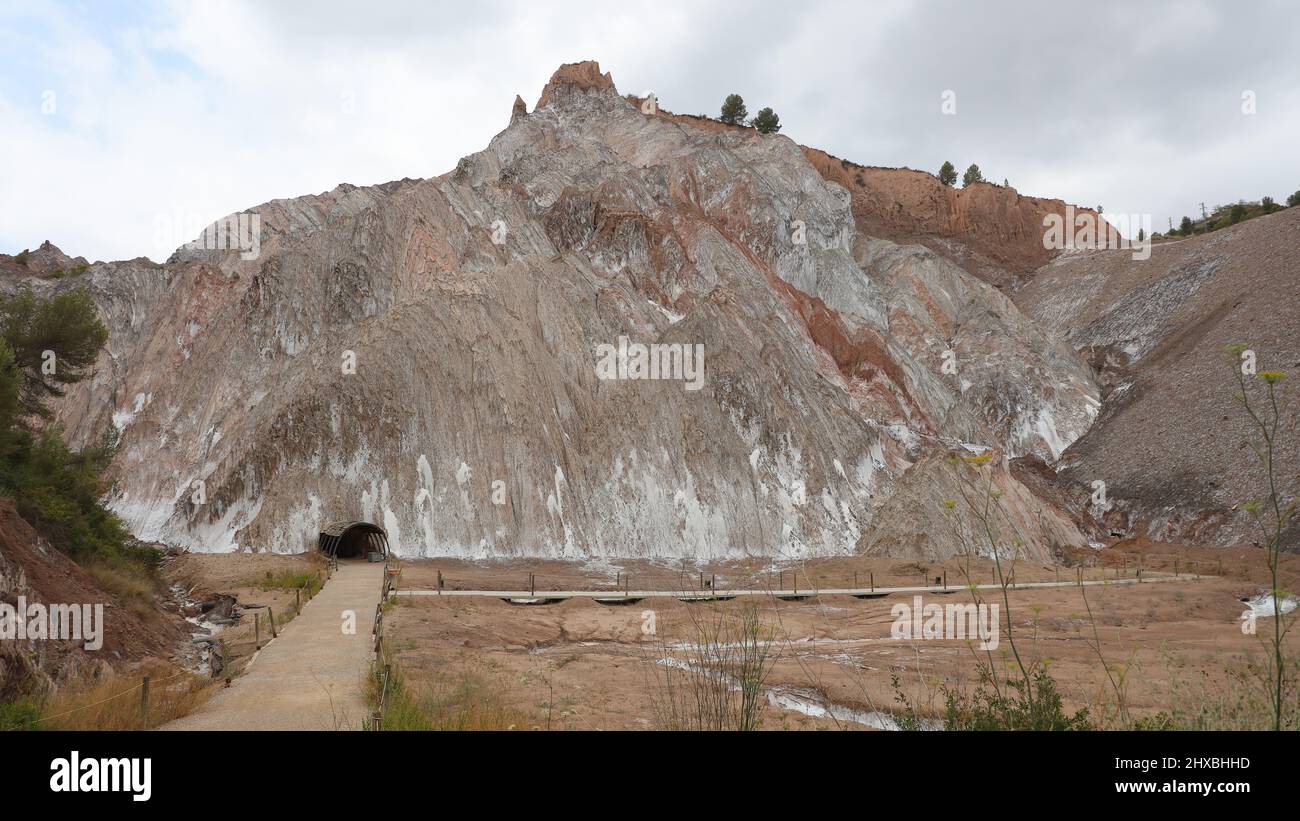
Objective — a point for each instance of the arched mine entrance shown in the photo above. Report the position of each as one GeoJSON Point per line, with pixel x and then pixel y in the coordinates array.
{"type": "Point", "coordinates": [354, 540]}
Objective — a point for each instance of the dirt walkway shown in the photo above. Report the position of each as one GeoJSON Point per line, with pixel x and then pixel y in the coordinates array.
{"type": "Point", "coordinates": [311, 677]}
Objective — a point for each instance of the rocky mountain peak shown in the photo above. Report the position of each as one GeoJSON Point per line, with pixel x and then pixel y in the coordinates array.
{"type": "Point", "coordinates": [48, 259]}
{"type": "Point", "coordinates": [580, 76]}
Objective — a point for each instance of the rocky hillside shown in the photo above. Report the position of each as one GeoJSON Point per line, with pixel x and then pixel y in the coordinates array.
{"type": "Point", "coordinates": [989, 230]}
{"type": "Point", "coordinates": [1171, 440]}
{"type": "Point", "coordinates": [424, 354]}
{"type": "Point", "coordinates": [33, 572]}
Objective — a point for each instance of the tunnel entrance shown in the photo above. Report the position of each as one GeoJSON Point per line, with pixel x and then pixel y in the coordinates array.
{"type": "Point", "coordinates": [353, 540]}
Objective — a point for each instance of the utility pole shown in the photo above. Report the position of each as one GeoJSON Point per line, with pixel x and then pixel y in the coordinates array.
{"type": "Point", "coordinates": [1204, 215]}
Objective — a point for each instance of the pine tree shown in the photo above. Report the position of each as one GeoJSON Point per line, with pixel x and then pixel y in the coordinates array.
{"type": "Point", "coordinates": [767, 122]}
{"type": "Point", "coordinates": [733, 110]}
{"type": "Point", "coordinates": [947, 174]}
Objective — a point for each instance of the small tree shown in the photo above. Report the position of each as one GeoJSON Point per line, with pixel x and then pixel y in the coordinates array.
{"type": "Point", "coordinates": [1237, 214]}
{"type": "Point", "coordinates": [1142, 234]}
{"type": "Point", "coordinates": [1268, 205]}
{"type": "Point", "coordinates": [1185, 227]}
{"type": "Point", "coordinates": [766, 121]}
{"type": "Point", "coordinates": [54, 342]}
{"type": "Point", "coordinates": [733, 110]}
{"type": "Point", "coordinates": [972, 175]}
{"type": "Point", "coordinates": [947, 174]}
{"type": "Point", "coordinates": [1293, 200]}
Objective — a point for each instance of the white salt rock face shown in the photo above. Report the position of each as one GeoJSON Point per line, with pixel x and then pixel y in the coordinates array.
{"type": "Point", "coordinates": [472, 421]}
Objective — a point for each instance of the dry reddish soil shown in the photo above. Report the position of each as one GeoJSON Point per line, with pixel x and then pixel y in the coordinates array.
{"type": "Point", "coordinates": [30, 568]}
{"type": "Point", "coordinates": [578, 664]}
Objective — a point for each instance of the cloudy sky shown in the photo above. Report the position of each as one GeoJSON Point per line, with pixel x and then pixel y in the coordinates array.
{"type": "Point", "coordinates": [126, 126]}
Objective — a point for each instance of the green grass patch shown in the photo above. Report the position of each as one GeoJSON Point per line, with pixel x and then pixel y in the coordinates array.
{"type": "Point", "coordinates": [20, 714]}
{"type": "Point", "coordinates": [288, 580]}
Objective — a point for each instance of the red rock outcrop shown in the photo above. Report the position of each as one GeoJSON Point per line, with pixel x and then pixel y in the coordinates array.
{"type": "Point", "coordinates": [990, 230]}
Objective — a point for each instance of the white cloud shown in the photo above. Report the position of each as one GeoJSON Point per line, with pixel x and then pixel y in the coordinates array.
{"type": "Point", "coordinates": [195, 110]}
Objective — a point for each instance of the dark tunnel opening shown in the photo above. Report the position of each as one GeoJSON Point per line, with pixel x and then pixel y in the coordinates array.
{"type": "Point", "coordinates": [353, 540]}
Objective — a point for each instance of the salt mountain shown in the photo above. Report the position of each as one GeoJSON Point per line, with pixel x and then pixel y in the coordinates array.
{"type": "Point", "coordinates": [472, 306]}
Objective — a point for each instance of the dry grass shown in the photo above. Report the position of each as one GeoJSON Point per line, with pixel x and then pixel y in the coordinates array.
{"type": "Point", "coordinates": [714, 680]}
{"type": "Point", "coordinates": [114, 703]}
{"type": "Point", "coordinates": [1240, 700]}
{"type": "Point", "coordinates": [465, 700]}
{"type": "Point", "coordinates": [137, 592]}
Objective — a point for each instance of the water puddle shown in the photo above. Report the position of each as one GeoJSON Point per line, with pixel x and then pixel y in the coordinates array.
{"type": "Point", "coordinates": [811, 703]}
{"type": "Point", "coordinates": [1262, 606]}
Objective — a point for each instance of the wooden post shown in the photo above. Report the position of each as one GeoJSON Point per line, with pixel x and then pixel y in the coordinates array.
{"type": "Point", "coordinates": [1057, 568]}
{"type": "Point", "coordinates": [1175, 565]}
{"type": "Point", "coordinates": [257, 630]}
{"type": "Point", "coordinates": [855, 580]}
{"type": "Point", "coordinates": [945, 580]}
{"type": "Point", "coordinates": [794, 580]}
{"type": "Point", "coordinates": [270, 616]}
{"type": "Point", "coordinates": [144, 702]}
{"type": "Point", "coordinates": [297, 598]}
{"type": "Point", "coordinates": [872, 574]}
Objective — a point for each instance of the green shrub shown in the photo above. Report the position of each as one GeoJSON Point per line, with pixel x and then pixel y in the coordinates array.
{"type": "Point", "coordinates": [288, 580]}
{"type": "Point", "coordinates": [20, 714]}
{"type": "Point", "coordinates": [1031, 703]}
{"type": "Point", "coordinates": [55, 489]}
